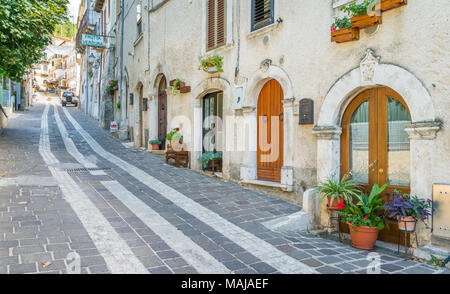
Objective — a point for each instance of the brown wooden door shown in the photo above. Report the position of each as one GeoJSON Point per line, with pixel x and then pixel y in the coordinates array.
{"type": "Point", "coordinates": [375, 148]}
{"type": "Point", "coordinates": [162, 111]}
{"type": "Point", "coordinates": [270, 132]}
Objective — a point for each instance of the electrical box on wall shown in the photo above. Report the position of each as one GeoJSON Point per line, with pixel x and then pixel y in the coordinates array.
{"type": "Point", "coordinates": [131, 98]}
{"type": "Point", "coordinates": [238, 97]}
{"type": "Point", "coordinates": [144, 104]}
{"type": "Point", "coordinates": [441, 210]}
{"type": "Point", "coordinates": [306, 111]}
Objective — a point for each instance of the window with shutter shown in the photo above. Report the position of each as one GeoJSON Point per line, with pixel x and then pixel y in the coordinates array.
{"type": "Point", "coordinates": [262, 13]}
{"type": "Point", "coordinates": [216, 24]}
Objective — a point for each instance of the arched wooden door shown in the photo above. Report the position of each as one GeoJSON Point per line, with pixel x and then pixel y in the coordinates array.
{"type": "Point", "coordinates": [270, 132]}
{"type": "Point", "coordinates": [162, 111]}
{"type": "Point", "coordinates": [375, 148]}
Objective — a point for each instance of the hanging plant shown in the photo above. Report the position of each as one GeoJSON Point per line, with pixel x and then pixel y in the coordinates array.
{"type": "Point", "coordinates": [118, 104]}
{"type": "Point", "coordinates": [212, 64]}
{"type": "Point", "coordinates": [177, 84]}
{"type": "Point", "coordinates": [111, 87]}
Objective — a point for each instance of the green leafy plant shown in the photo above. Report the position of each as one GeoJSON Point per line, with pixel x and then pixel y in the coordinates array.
{"type": "Point", "coordinates": [358, 9]}
{"type": "Point", "coordinates": [155, 142]}
{"type": "Point", "coordinates": [176, 86]}
{"type": "Point", "coordinates": [334, 189]}
{"type": "Point", "coordinates": [364, 211]}
{"type": "Point", "coordinates": [174, 136]}
{"type": "Point", "coordinates": [212, 61]}
{"type": "Point", "coordinates": [436, 261]}
{"type": "Point", "coordinates": [207, 157]}
{"type": "Point", "coordinates": [118, 104]}
{"type": "Point", "coordinates": [112, 85]}
{"type": "Point", "coordinates": [341, 23]}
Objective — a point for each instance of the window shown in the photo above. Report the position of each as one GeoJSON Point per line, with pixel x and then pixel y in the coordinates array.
{"type": "Point", "coordinates": [139, 17]}
{"type": "Point", "coordinates": [216, 24]}
{"type": "Point", "coordinates": [262, 13]}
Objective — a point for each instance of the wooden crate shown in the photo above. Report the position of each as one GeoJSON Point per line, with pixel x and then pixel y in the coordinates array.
{"type": "Point", "coordinates": [391, 4]}
{"type": "Point", "coordinates": [345, 35]}
{"type": "Point", "coordinates": [366, 20]}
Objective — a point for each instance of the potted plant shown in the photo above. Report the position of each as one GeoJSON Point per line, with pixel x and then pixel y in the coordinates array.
{"type": "Point", "coordinates": [118, 104]}
{"type": "Point", "coordinates": [408, 209]}
{"type": "Point", "coordinates": [175, 139]}
{"type": "Point", "coordinates": [338, 192]}
{"type": "Point", "coordinates": [342, 31]}
{"type": "Point", "coordinates": [362, 15]}
{"type": "Point", "coordinates": [363, 219]}
{"type": "Point", "coordinates": [207, 157]}
{"type": "Point", "coordinates": [212, 64]}
{"type": "Point", "coordinates": [155, 144]}
{"type": "Point", "coordinates": [111, 87]}
{"type": "Point", "coordinates": [176, 85]}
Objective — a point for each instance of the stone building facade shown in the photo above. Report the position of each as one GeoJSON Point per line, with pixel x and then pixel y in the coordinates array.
{"type": "Point", "coordinates": [282, 50]}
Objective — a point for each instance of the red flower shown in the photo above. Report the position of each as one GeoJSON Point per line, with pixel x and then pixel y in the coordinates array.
{"type": "Point", "coordinates": [177, 129]}
{"type": "Point", "coordinates": [333, 29]}
{"type": "Point", "coordinates": [366, 217]}
{"type": "Point", "coordinates": [341, 205]}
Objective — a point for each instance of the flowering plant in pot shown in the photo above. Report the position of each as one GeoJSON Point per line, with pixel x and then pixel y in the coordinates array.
{"type": "Point", "coordinates": [342, 31]}
{"type": "Point", "coordinates": [175, 139]}
{"type": "Point", "coordinates": [363, 218]}
{"type": "Point", "coordinates": [338, 191]}
{"type": "Point", "coordinates": [111, 87]}
{"type": "Point", "coordinates": [212, 64]}
{"type": "Point", "coordinates": [155, 144]}
{"type": "Point", "coordinates": [408, 209]}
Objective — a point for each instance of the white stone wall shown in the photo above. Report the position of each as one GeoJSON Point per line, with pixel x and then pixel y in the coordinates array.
{"type": "Point", "coordinates": [304, 61]}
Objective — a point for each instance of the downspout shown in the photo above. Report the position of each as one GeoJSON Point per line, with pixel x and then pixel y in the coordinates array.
{"type": "Point", "coordinates": [238, 28]}
{"type": "Point", "coordinates": [122, 100]}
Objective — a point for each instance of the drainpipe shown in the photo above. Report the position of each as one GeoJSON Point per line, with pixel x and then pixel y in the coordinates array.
{"type": "Point", "coordinates": [122, 100]}
{"type": "Point", "coordinates": [87, 66]}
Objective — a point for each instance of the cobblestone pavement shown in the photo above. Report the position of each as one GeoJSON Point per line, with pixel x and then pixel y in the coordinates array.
{"type": "Point", "coordinates": [74, 199]}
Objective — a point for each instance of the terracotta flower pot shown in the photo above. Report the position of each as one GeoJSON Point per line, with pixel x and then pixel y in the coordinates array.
{"type": "Point", "coordinates": [155, 146]}
{"type": "Point", "coordinates": [406, 224]}
{"type": "Point", "coordinates": [336, 201]}
{"type": "Point", "coordinates": [363, 238]}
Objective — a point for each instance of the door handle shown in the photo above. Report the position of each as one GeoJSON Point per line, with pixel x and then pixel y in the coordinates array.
{"type": "Point", "coordinates": [282, 116]}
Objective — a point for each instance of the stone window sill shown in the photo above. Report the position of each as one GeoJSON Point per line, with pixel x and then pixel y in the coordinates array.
{"type": "Point", "coordinates": [262, 31]}
{"type": "Point", "coordinates": [285, 188]}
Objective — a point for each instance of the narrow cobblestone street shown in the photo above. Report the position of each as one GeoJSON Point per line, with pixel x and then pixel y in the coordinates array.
{"type": "Point", "coordinates": [68, 186]}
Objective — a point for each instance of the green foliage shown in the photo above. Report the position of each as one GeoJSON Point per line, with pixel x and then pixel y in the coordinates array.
{"type": "Point", "coordinates": [112, 84]}
{"type": "Point", "coordinates": [118, 104]}
{"type": "Point", "coordinates": [364, 211]}
{"type": "Point", "coordinates": [359, 9]}
{"type": "Point", "coordinates": [212, 61]}
{"type": "Point", "coordinates": [176, 86]}
{"type": "Point", "coordinates": [207, 157]}
{"type": "Point", "coordinates": [342, 23]}
{"type": "Point", "coordinates": [436, 261]}
{"type": "Point", "coordinates": [25, 29]}
{"type": "Point", "coordinates": [334, 189]}
{"type": "Point", "coordinates": [174, 136]}
{"type": "Point", "coordinates": [152, 142]}
{"type": "Point", "coordinates": [66, 30]}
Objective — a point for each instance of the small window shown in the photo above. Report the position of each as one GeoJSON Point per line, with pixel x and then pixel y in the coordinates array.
{"type": "Point", "coordinates": [139, 18]}
{"type": "Point", "coordinates": [216, 24]}
{"type": "Point", "coordinates": [262, 13]}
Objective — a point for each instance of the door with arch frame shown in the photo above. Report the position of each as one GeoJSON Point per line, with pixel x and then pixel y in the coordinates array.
{"type": "Point", "coordinates": [375, 148]}
{"type": "Point", "coordinates": [270, 132]}
{"type": "Point", "coordinates": [162, 111]}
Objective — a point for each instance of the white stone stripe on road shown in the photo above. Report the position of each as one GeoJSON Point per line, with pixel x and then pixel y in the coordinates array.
{"type": "Point", "coordinates": [71, 148]}
{"type": "Point", "coordinates": [117, 254]}
{"type": "Point", "coordinates": [196, 256]}
{"type": "Point", "coordinates": [256, 246]}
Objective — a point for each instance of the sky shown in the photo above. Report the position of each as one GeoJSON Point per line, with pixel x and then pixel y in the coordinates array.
{"type": "Point", "coordinates": [73, 9]}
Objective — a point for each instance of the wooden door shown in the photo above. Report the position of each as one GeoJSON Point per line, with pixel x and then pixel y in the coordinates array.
{"type": "Point", "coordinates": [162, 111]}
{"type": "Point", "coordinates": [270, 132]}
{"type": "Point", "coordinates": [212, 122]}
{"type": "Point", "coordinates": [375, 148]}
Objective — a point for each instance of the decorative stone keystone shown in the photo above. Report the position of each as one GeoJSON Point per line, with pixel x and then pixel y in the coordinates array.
{"type": "Point", "coordinates": [368, 65]}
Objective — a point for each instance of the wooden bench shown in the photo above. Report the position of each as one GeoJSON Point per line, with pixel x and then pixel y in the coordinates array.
{"type": "Point", "coordinates": [181, 158]}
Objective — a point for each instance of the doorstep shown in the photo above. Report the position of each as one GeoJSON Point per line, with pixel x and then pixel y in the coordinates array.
{"type": "Point", "coordinates": [427, 251]}
{"type": "Point", "coordinates": [285, 188]}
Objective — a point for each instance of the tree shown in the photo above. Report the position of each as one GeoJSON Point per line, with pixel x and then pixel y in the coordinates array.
{"type": "Point", "coordinates": [25, 29]}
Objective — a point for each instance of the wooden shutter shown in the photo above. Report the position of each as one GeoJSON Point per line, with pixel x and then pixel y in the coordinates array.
{"type": "Point", "coordinates": [216, 24]}
{"type": "Point", "coordinates": [262, 13]}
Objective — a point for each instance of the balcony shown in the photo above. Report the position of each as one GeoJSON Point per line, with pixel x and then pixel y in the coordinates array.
{"type": "Point", "coordinates": [87, 26]}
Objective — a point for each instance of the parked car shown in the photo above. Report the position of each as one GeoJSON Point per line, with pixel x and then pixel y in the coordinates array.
{"type": "Point", "coordinates": [68, 97]}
